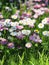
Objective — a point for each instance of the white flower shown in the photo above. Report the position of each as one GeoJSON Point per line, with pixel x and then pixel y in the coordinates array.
{"type": "Point", "coordinates": [44, 33]}
{"type": "Point", "coordinates": [13, 33]}
{"type": "Point", "coordinates": [44, 21]}
{"type": "Point", "coordinates": [47, 33]}
{"type": "Point", "coordinates": [12, 29]}
{"type": "Point", "coordinates": [33, 21]}
{"type": "Point", "coordinates": [19, 33]}
{"type": "Point", "coordinates": [24, 21]}
{"type": "Point", "coordinates": [40, 25]}
{"type": "Point", "coordinates": [9, 37]}
{"type": "Point", "coordinates": [26, 32]}
{"type": "Point", "coordinates": [42, 8]}
{"type": "Point", "coordinates": [17, 23]}
{"type": "Point", "coordinates": [14, 23]}
{"type": "Point", "coordinates": [8, 20]}
{"type": "Point", "coordinates": [8, 8]}
{"type": "Point", "coordinates": [21, 22]}
{"type": "Point", "coordinates": [28, 19]}
{"type": "Point", "coordinates": [28, 45]}
{"type": "Point", "coordinates": [14, 16]}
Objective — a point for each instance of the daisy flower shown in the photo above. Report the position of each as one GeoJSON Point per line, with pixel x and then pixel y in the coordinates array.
{"type": "Point", "coordinates": [13, 33]}
{"type": "Point", "coordinates": [44, 33]}
{"type": "Point", "coordinates": [28, 45]}
{"type": "Point", "coordinates": [47, 33]}
{"type": "Point", "coordinates": [40, 25]}
{"type": "Point", "coordinates": [44, 21]}
{"type": "Point", "coordinates": [26, 32]}
{"type": "Point", "coordinates": [14, 23]}
{"type": "Point", "coordinates": [14, 16]}
{"type": "Point", "coordinates": [8, 8]}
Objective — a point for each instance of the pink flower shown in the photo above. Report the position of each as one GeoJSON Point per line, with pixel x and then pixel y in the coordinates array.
{"type": "Point", "coordinates": [43, 5]}
{"type": "Point", "coordinates": [19, 27]}
{"type": "Point", "coordinates": [35, 16]}
{"type": "Point", "coordinates": [3, 41]}
{"type": "Point", "coordinates": [37, 6]}
{"type": "Point", "coordinates": [10, 45]}
{"type": "Point", "coordinates": [46, 10]}
{"type": "Point", "coordinates": [31, 26]}
{"type": "Point", "coordinates": [37, 0]}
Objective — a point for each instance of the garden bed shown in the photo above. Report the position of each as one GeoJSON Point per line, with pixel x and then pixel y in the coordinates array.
{"type": "Point", "coordinates": [24, 34]}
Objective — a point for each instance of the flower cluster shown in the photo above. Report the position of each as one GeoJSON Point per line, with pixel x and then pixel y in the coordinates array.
{"type": "Point", "coordinates": [21, 27]}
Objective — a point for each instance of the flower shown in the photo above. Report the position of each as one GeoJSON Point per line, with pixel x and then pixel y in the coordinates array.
{"type": "Point", "coordinates": [14, 16]}
{"type": "Point", "coordinates": [43, 5]}
{"type": "Point", "coordinates": [35, 38]}
{"type": "Point", "coordinates": [21, 22]}
{"type": "Point", "coordinates": [14, 23]}
{"type": "Point", "coordinates": [31, 26]}
{"type": "Point", "coordinates": [7, 23]}
{"type": "Point", "coordinates": [13, 33]}
{"type": "Point", "coordinates": [37, 6]}
{"type": "Point", "coordinates": [8, 8]}
{"type": "Point", "coordinates": [20, 36]}
{"type": "Point", "coordinates": [28, 45]}
{"type": "Point", "coordinates": [35, 16]}
{"type": "Point", "coordinates": [48, 20]}
{"type": "Point", "coordinates": [12, 29]}
{"type": "Point", "coordinates": [27, 21]}
{"type": "Point", "coordinates": [1, 27]}
{"type": "Point", "coordinates": [3, 41]}
{"type": "Point", "coordinates": [36, 31]}
{"type": "Point", "coordinates": [44, 21]}
{"type": "Point", "coordinates": [7, 20]}
{"type": "Point", "coordinates": [26, 32]}
{"type": "Point", "coordinates": [19, 27]}
{"type": "Point", "coordinates": [10, 45]}
{"type": "Point", "coordinates": [40, 25]}
{"type": "Point", "coordinates": [45, 33]}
